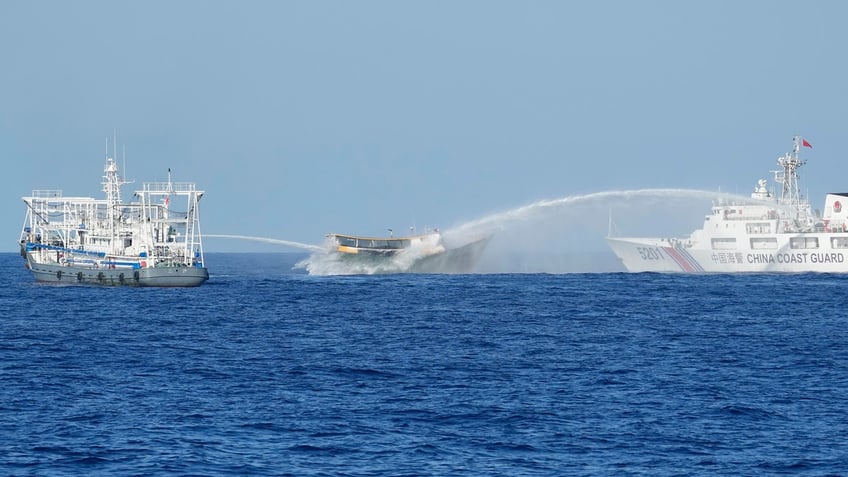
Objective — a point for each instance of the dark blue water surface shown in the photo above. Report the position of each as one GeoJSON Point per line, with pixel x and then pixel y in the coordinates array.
{"type": "Point", "coordinates": [264, 371]}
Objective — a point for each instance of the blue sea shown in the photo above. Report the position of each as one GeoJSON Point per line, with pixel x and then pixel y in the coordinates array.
{"type": "Point", "coordinates": [267, 371]}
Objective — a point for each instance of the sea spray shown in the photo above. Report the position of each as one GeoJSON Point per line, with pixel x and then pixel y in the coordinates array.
{"type": "Point", "coordinates": [327, 261]}
{"type": "Point", "coordinates": [560, 235]}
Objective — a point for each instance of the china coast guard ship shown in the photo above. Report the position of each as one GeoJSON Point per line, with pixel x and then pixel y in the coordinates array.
{"type": "Point", "coordinates": [768, 233]}
{"type": "Point", "coordinates": [154, 241]}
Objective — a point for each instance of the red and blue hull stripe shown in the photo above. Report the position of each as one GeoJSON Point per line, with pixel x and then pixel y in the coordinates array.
{"type": "Point", "coordinates": [684, 259]}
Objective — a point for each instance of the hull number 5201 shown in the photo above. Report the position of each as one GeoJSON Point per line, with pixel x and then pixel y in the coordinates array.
{"type": "Point", "coordinates": [650, 253]}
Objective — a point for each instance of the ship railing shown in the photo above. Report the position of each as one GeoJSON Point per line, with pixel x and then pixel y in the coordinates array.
{"type": "Point", "coordinates": [46, 193]}
{"type": "Point", "coordinates": [58, 200]}
{"type": "Point", "coordinates": [169, 187]}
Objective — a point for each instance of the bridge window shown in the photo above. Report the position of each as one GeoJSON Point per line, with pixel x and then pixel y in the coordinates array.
{"type": "Point", "coordinates": [839, 242]}
{"type": "Point", "coordinates": [724, 243]}
{"type": "Point", "coordinates": [768, 243]}
{"type": "Point", "coordinates": [804, 242]}
{"type": "Point", "coordinates": [755, 228]}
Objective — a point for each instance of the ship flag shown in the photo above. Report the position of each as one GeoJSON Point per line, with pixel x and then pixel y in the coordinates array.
{"type": "Point", "coordinates": [805, 143]}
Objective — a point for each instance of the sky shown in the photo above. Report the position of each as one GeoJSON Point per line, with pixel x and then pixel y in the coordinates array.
{"type": "Point", "coordinates": [303, 118]}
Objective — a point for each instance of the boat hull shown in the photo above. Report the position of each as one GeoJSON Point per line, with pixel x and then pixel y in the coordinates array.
{"type": "Point", "coordinates": [169, 276]}
{"type": "Point", "coordinates": [676, 256]}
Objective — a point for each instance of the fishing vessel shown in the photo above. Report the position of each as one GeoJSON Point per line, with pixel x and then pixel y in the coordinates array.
{"type": "Point", "coordinates": [425, 244]}
{"type": "Point", "coordinates": [768, 232]}
{"type": "Point", "coordinates": [416, 253]}
{"type": "Point", "coordinates": [152, 241]}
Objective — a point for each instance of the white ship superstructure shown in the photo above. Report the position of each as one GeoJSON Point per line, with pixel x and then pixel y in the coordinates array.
{"type": "Point", "coordinates": [767, 233]}
{"type": "Point", "coordinates": [153, 241]}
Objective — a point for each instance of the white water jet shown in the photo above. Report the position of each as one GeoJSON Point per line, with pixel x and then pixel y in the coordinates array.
{"type": "Point", "coordinates": [288, 243]}
{"type": "Point", "coordinates": [568, 234]}
{"type": "Point", "coordinates": [498, 221]}
{"type": "Point", "coordinates": [561, 235]}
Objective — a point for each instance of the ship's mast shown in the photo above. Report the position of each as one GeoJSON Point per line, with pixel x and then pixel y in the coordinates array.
{"type": "Point", "coordinates": [788, 177]}
{"type": "Point", "coordinates": [112, 187]}
{"type": "Point", "coordinates": [111, 182]}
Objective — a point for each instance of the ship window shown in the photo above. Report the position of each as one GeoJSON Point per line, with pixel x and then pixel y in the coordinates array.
{"type": "Point", "coordinates": [724, 243]}
{"type": "Point", "coordinates": [395, 244]}
{"type": "Point", "coordinates": [769, 243]}
{"type": "Point", "coordinates": [380, 244]}
{"type": "Point", "coordinates": [364, 243]}
{"type": "Point", "coordinates": [347, 241]}
{"type": "Point", "coordinates": [804, 242]}
{"type": "Point", "coordinates": [839, 242]}
{"type": "Point", "coordinates": [755, 228]}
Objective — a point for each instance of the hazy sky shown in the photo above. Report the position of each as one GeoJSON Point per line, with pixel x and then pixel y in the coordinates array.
{"type": "Point", "coordinates": [303, 118]}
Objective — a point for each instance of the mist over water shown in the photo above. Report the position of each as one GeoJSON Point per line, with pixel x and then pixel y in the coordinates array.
{"type": "Point", "coordinates": [564, 235]}
{"type": "Point", "coordinates": [568, 234]}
